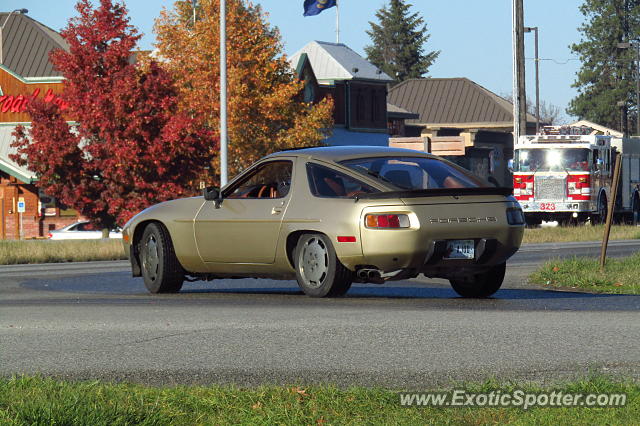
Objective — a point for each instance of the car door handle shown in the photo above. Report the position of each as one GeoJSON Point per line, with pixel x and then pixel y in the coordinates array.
{"type": "Point", "coordinates": [276, 210]}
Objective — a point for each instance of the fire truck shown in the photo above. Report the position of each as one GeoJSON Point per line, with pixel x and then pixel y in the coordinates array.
{"type": "Point", "coordinates": [565, 174]}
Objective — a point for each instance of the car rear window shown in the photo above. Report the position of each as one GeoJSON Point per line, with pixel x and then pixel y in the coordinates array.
{"type": "Point", "coordinates": [327, 182]}
{"type": "Point", "coordinates": [416, 173]}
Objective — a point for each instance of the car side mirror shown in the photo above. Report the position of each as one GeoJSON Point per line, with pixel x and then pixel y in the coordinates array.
{"type": "Point", "coordinates": [211, 193]}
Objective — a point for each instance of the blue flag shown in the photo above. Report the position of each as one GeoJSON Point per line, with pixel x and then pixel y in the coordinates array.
{"type": "Point", "coordinates": [314, 7]}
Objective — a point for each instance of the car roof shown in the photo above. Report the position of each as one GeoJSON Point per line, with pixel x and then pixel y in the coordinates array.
{"type": "Point", "coordinates": [342, 153]}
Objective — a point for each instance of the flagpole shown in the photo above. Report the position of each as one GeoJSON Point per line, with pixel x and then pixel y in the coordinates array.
{"type": "Point", "coordinates": [223, 93]}
{"type": "Point", "coordinates": [337, 22]}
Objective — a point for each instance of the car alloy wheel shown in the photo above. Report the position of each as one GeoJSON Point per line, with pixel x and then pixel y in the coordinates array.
{"type": "Point", "coordinates": [161, 271]}
{"type": "Point", "coordinates": [150, 259]}
{"type": "Point", "coordinates": [314, 264]}
{"type": "Point", "coordinates": [318, 270]}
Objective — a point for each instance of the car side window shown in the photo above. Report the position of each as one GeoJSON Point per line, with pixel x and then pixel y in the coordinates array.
{"type": "Point", "coordinates": [326, 182]}
{"type": "Point", "coordinates": [269, 180]}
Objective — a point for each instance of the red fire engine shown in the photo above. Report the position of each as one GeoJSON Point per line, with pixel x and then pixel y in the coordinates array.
{"type": "Point", "coordinates": [564, 174]}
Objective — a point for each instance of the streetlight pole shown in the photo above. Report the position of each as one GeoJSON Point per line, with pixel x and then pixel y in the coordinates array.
{"type": "Point", "coordinates": [2, 31]}
{"type": "Point", "coordinates": [223, 93]}
{"type": "Point", "coordinates": [537, 63]}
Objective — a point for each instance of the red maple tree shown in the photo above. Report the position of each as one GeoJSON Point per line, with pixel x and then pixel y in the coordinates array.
{"type": "Point", "coordinates": [129, 147]}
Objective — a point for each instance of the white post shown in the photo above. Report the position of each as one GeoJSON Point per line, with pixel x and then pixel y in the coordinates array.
{"type": "Point", "coordinates": [337, 22]}
{"type": "Point", "coordinates": [223, 93]}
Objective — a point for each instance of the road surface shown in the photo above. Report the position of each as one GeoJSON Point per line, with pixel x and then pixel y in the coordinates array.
{"type": "Point", "coordinates": [93, 321]}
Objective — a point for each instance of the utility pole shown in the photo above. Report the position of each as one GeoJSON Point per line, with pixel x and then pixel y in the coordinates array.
{"type": "Point", "coordinates": [537, 63]}
{"type": "Point", "coordinates": [519, 94]}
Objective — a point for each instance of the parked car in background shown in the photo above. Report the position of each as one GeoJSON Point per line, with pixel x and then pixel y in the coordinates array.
{"type": "Point", "coordinates": [83, 230]}
{"type": "Point", "coordinates": [330, 217]}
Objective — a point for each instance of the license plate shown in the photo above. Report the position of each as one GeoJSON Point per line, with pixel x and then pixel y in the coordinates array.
{"type": "Point", "coordinates": [460, 249]}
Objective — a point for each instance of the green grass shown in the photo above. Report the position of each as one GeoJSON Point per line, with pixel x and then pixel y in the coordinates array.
{"type": "Point", "coordinates": [28, 401]}
{"type": "Point", "coordinates": [621, 276]}
{"type": "Point", "coordinates": [39, 251]}
{"type": "Point", "coordinates": [579, 233]}
{"type": "Point", "coordinates": [16, 252]}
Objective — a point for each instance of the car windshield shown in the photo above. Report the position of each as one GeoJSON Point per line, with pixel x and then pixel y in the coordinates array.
{"type": "Point", "coordinates": [416, 173]}
{"type": "Point", "coordinates": [551, 160]}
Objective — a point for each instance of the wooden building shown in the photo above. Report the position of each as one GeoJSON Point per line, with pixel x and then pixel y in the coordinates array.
{"type": "Point", "coordinates": [358, 89]}
{"type": "Point", "coordinates": [25, 74]}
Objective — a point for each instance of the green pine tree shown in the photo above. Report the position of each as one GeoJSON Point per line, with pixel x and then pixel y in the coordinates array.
{"type": "Point", "coordinates": [398, 42]}
{"type": "Point", "coordinates": [607, 74]}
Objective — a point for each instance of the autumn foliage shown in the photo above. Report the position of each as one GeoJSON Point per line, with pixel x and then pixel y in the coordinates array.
{"type": "Point", "coordinates": [132, 146]}
{"type": "Point", "coordinates": [266, 110]}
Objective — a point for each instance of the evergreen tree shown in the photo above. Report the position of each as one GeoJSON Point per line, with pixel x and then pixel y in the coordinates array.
{"type": "Point", "coordinates": [607, 75]}
{"type": "Point", "coordinates": [398, 42]}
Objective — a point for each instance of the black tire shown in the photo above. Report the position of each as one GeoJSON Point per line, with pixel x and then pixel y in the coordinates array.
{"type": "Point", "coordinates": [318, 269]}
{"type": "Point", "coordinates": [480, 286]}
{"type": "Point", "coordinates": [601, 217]}
{"type": "Point", "coordinates": [532, 222]}
{"type": "Point", "coordinates": [161, 271]}
{"type": "Point", "coordinates": [635, 213]}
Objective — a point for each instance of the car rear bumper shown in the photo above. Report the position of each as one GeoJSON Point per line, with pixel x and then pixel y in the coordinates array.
{"type": "Point", "coordinates": [422, 247]}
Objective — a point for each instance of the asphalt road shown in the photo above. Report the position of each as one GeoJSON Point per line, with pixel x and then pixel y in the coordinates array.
{"type": "Point", "coordinates": [92, 320]}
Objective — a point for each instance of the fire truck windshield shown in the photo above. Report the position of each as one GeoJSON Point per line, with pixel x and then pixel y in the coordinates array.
{"type": "Point", "coordinates": [552, 160]}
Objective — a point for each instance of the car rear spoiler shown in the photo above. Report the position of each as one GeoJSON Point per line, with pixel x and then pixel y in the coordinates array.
{"type": "Point", "coordinates": [437, 192]}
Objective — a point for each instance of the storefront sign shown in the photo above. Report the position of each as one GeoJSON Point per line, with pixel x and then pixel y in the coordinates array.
{"type": "Point", "coordinates": [11, 103]}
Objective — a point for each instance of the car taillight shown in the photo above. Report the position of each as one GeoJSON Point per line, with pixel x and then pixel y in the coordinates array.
{"type": "Point", "coordinates": [387, 221]}
{"type": "Point", "coordinates": [515, 216]}
{"type": "Point", "coordinates": [523, 187]}
{"type": "Point", "coordinates": [579, 187]}
{"type": "Point", "coordinates": [50, 235]}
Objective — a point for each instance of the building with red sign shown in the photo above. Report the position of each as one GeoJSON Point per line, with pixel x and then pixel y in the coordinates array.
{"type": "Point", "coordinates": [26, 73]}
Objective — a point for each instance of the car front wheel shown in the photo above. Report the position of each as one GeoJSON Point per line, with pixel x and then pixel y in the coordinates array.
{"type": "Point", "coordinates": [161, 270]}
{"type": "Point", "coordinates": [480, 285]}
{"type": "Point", "coordinates": [318, 269]}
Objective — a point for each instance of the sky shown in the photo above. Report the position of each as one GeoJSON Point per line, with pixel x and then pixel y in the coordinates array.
{"type": "Point", "coordinates": [474, 37]}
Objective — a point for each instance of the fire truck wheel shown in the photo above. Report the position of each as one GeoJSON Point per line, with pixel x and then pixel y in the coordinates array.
{"type": "Point", "coordinates": [533, 222]}
{"type": "Point", "coordinates": [600, 217]}
{"type": "Point", "coordinates": [480, 286]}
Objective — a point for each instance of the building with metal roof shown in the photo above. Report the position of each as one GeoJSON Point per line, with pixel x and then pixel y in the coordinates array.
{"type": "Point", "coordinates": [358, 89]}
{"type": "Point", "coordinates": [459, 108]}
{"type": "Point", "coordinates": [454, 103]}
{"type": "Point", "coordinates": [26, 44]}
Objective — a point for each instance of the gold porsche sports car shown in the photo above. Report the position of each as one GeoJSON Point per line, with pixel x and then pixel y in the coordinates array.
{"type": "Point", "coordinates": [332, 216]}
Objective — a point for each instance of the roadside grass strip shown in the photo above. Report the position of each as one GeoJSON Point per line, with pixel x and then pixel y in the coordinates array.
{"type": "Point", "coordinates": [35, 251]}
{"type": "Point", "coordinates": [621, 276]}
{"type": "Point", "coordinates": [567, 234]}
{"type": "Point", "coordinates": [47, 251]}
{"type": "Point", "coordinates": [32, 400]}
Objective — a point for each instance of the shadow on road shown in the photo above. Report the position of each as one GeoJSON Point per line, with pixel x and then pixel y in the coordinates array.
{"type": "Point", "coordinates": [127, 289]}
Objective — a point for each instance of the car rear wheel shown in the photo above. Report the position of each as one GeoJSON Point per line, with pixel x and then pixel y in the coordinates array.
{"type": "Point", "coordinates": [481, 285]}
{"type": "Point", "coordinates": [318, 269]}
{"type": "Point", "coordinates": [161, 270]}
